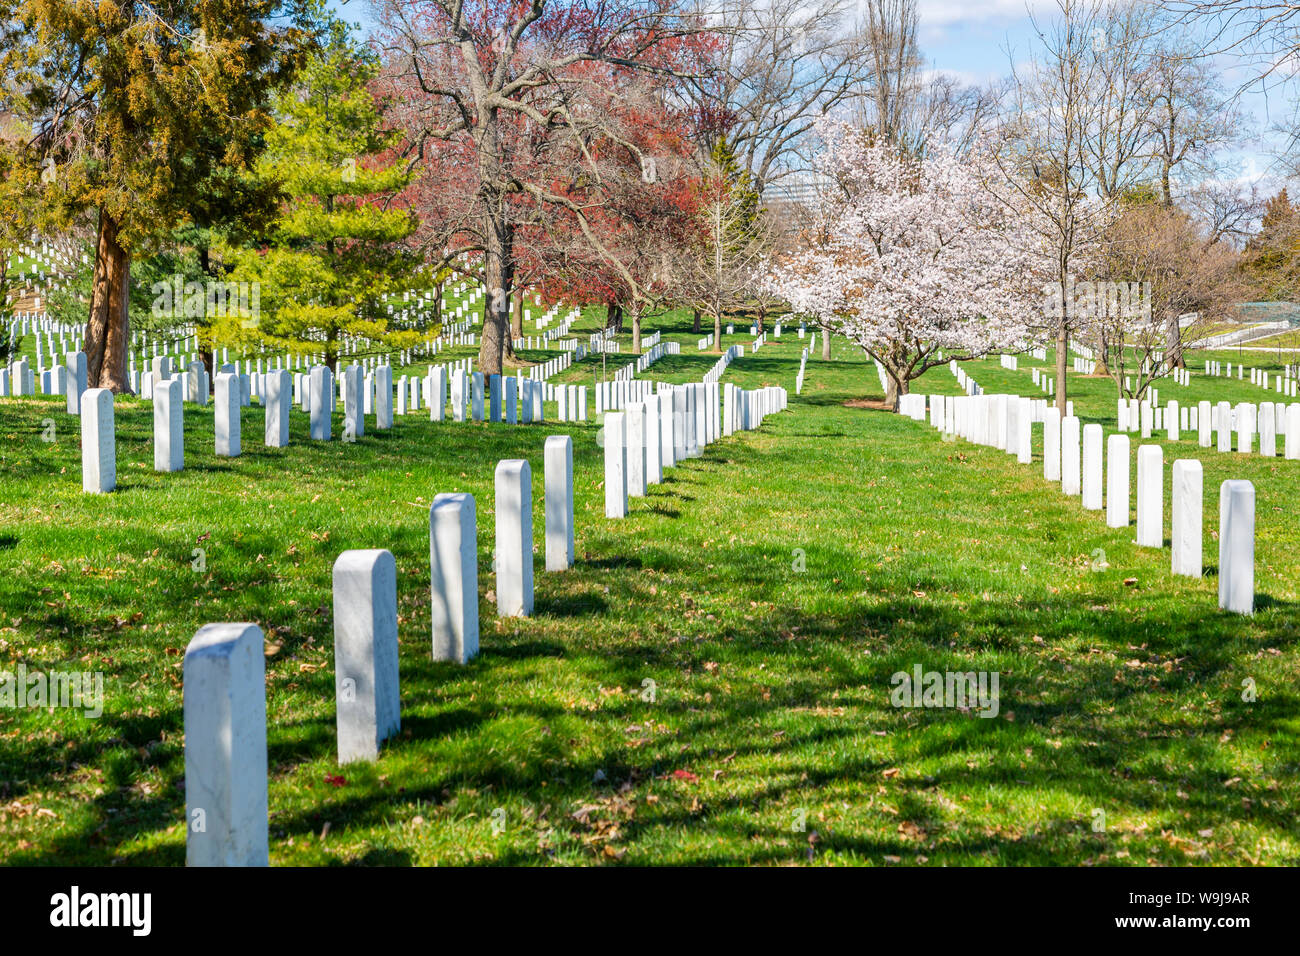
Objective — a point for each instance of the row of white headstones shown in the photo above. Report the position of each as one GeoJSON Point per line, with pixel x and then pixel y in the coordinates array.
{"type": "Point", "coordinates": [1246, 420]}
{"type": "Point", "coordinates": [677, 422]}
{"type": "Point", "coordinates": [1073, 457]}
{"type": "Point", "coordinates": [224, 667]}
{"type": "Point", "coordinates": [95, 407]}
{"type": "Point", "coordinates": [224, 670]}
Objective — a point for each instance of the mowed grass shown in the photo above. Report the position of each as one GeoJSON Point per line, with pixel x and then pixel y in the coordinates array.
{"type": "Point", "coordinates": [710, 685]}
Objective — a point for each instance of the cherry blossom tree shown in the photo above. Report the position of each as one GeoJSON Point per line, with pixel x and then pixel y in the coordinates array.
{"type": "Point", "coordinates": [911, 258]}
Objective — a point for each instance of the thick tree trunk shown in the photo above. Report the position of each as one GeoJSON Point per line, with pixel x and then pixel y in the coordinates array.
{"type": "Point", "coordinates": [826, 345]}
{"type": "Point", "coordinates": [717, 331]}
{"type": "Point", "coordinates": [697, 321]}
{"type": "Point", "coordinates": [496, 303]}
{"type": "Point", "coordinates": [108, 329]}
{"type": "Point", "coordinates": [517, 319]}
{"type": "Point", "coordinates": [894, 390]}
{"type": "Point", "coordinates": [634, 310]}
{"type": "Point", "coordinates": [495, 346]}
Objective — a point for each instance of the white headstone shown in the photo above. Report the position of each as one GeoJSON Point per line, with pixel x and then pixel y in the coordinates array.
{"type": "Point", "coordinates": [366, 682]}
{"type": "Point", "coordinates": [227, 415]}
{"type": "Point", "coordinates": [1267, 430]}
{"type": "Point", "coordinates": [75, 362]}
{"type": "Point", "coordinates": [1117, 476]}
{"type": "Point", "coordinates": [1237, 547]}
{"type": "Point", "coordinates": [1071, 477]}
{"type": "Point", "coordinates": [453, 584]}
{"type": "Point", "coordinates": [438, 395]}
{"type": "Point", "coordinates": [1186, 517]}
{"type": "Point", "coordinates": [98, 443]}
{"type": "Point", "coordinates": [1092, 468]}
{"type": "Point", "coordinates": [635, 420]}
{"type": "Point", "coordinates": [1292, 446]}
{"type": "Point", "coordinates": [477, 396]}
{"type": "Point", "coordinates": [225, 747]}
{"type": "Point", "coordinates": [667, 435]}
{"type": "Point", "coordinates": [278, 399]}
{"type": "Point", "coordinates": [321, 402]}
{"type": "Point", "coordinates": [383, 400]}
{"type": "Point", "coordinates": [1245, 427]}
{"type": "Point", "coordinates": [1150, 497]}
{"type": "Point", "coordinates": [654, 472]}
{"type": "Point", "coordinates": [558, 455]}
{"type": "Point", "coordinates": [514, 538]}
{"type": "Point", "coordinates": [354, 420]}
{"type": "Point", "coordinates": [168, 426]}
{"type": "Point", "coordinates": [615, 465]}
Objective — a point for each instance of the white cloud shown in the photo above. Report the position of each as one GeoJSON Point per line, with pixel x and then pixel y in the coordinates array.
{"type": "Point", "coordinates": [934, 13]}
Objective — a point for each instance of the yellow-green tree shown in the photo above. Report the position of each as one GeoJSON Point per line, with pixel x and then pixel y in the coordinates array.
{"type": "Point", "coordinates": [335, 253]}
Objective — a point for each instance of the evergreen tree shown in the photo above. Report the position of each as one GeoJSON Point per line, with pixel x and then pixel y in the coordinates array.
{"type": "Point", "coordinates": [335, 252]}
{"type": "Point", "coordinates": [132, 112]}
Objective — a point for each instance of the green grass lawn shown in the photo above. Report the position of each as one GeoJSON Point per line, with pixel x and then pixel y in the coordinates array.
{"type": "Point", "coordinates": [769, 737]}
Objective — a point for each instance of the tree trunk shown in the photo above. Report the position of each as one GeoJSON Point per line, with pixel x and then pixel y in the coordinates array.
{"type": "Point", "coordinates": [496, 303]}
{"type": "Point", "coordinates": [697, 321]}
{"type": "Point", "coordinates": [826, 345]}
{"type": "Point", "coordinates": [517, 319]}
{"type": "Point", "coordinates": [108, 329]}
{"type": "Point", "coordinates": [717, 331]}
{"type": "Point", "coordinates": [498, 252]}
{"type": "Point", "coordinates": [894, 390]}
{"type": "Point", "coordinates": [1174, 344]}
{"type": "Point", "coordinates": [1062, 355]}
{"type": "Point", "coordinates": [634, 310]}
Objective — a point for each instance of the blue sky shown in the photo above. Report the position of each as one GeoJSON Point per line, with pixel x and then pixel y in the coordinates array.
{"type": "Point", "coordinates": [976, 40]}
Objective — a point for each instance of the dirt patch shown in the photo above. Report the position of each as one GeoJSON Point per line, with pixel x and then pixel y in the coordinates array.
{"type": "Point", "coordinates": [878, 405]}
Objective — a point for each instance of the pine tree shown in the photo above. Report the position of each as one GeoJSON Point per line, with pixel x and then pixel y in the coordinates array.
{"type": "Point", "coordinates": [335, 251]}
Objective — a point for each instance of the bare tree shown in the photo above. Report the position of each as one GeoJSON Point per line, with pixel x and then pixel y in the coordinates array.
{"type": "Point", "coordinates": [732, 244]}
{"type": "Point", "coordinates": [1122, 48]}
{"type": "Point", "coordinates": [1185, 275]}
{"type": "Point", "coordinates": [782, 64]}
{"type": "Point", "coordinates": [488, 81]}
{"type": "Point", "coordinates": [1192, 116]}
{"type": "Point", "coordinates": [1044, 156]}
